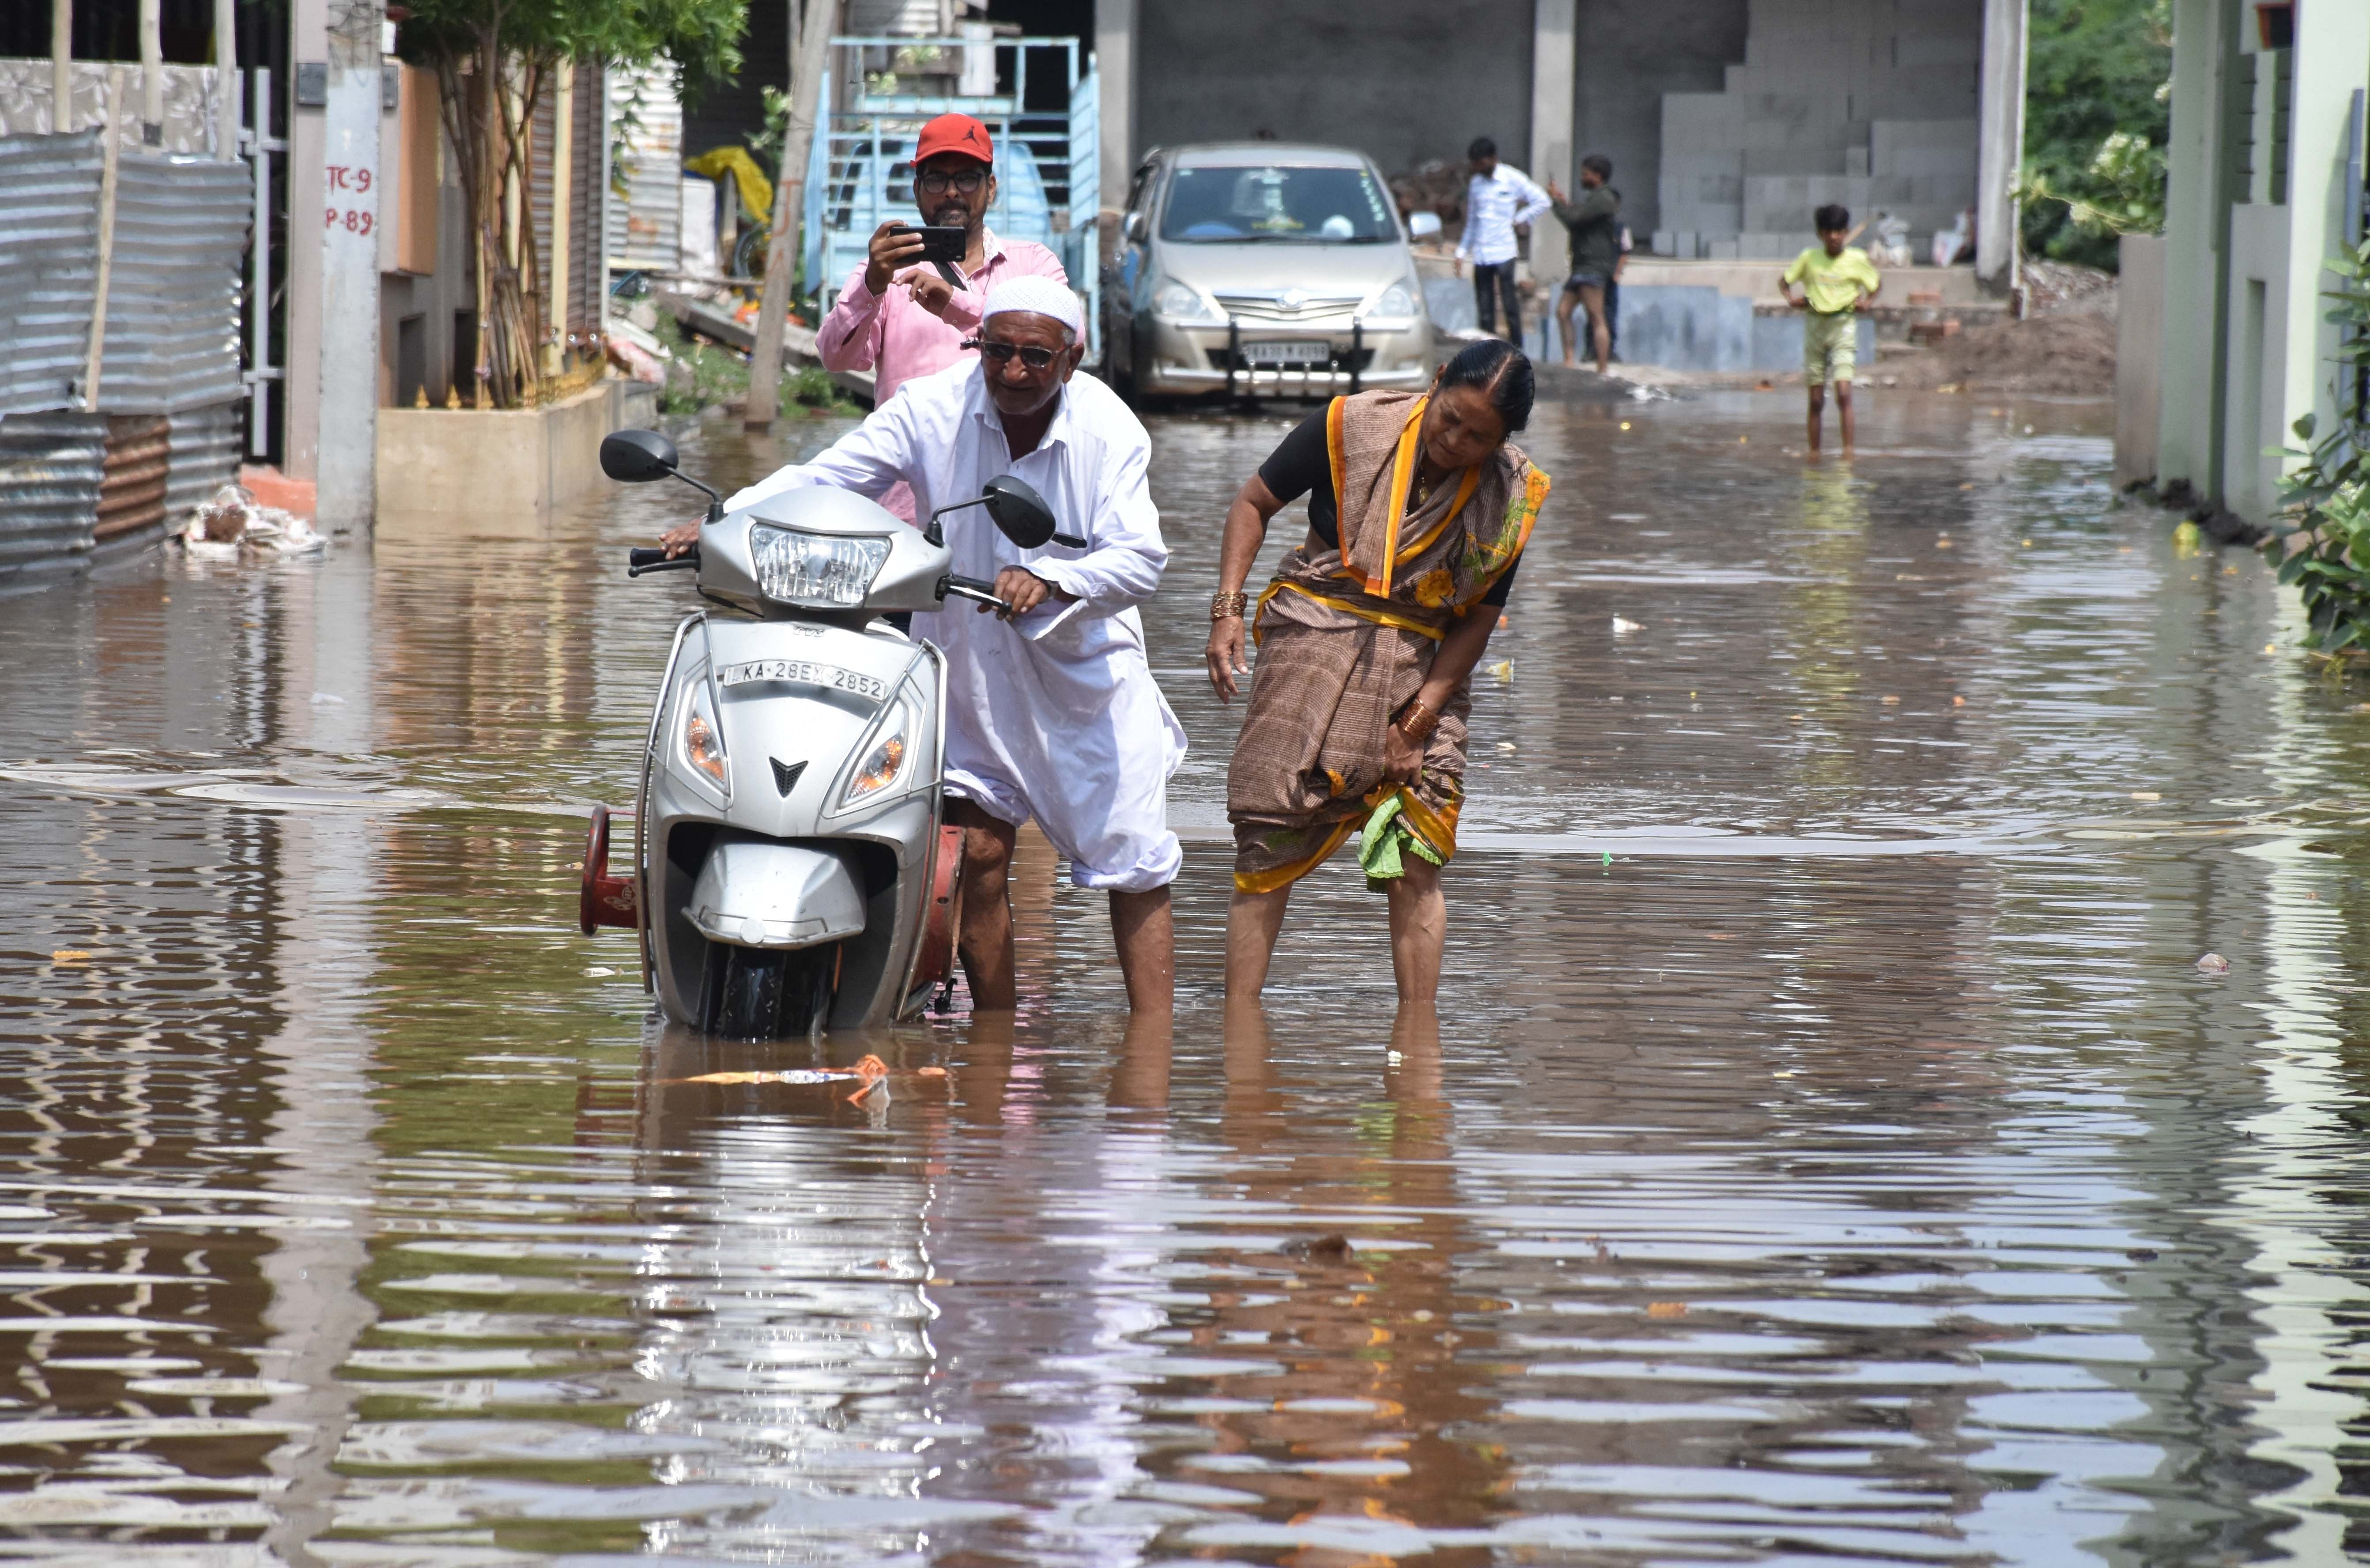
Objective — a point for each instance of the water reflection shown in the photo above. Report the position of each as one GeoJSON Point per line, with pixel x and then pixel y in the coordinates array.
{"type": "Point", "coordinates": [1790, 1201]}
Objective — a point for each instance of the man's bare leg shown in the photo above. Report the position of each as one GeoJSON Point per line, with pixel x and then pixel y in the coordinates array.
{"type": "Point", "coordinates": [1253, 919]}
{"type": "Point", "coordinates": [1419, 929]}
{"type": "Point", "coordinates": [1600, 336]}
{"type": "Point", "coordinates": [1843, 413]}
{"type": "Point", "coordinates": [1818, 407]}
{"type": "Point", "coordinates": [985, 941]}
{"type": "Point", "coordinates": [1146, 930]}
{"type": "Point", "coordinates": [1565, 303]}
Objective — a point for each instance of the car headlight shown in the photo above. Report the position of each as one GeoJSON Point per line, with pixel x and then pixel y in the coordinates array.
{"type": "Point", "coordinates": [886, 757]}
{"type": "Point", "coordinates": [823, 570]}
{"type": "Point", "coordinates": [1179, 303]}
{"type": "Point", "coordinates": [702, 739]}
{"type": "Point", "coordinates": [1397, 303]}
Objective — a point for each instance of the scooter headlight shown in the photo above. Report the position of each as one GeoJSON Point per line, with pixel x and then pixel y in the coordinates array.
{"type": "Point", "coordinates": [702, 739]}
{"type": "Point", "coordinates": [887, 758]}
{"type": "Point", "coordinates": [823, 571]}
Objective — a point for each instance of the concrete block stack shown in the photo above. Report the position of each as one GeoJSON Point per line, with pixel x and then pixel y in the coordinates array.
{"type": "Point", "coordinates": [1869, 103]}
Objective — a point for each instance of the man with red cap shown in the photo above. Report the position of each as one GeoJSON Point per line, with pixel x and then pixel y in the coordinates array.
{"type": "Point", "coordinates": [897, 317]}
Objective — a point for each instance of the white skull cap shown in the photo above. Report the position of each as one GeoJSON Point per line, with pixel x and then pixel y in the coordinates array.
{"type": "Point", "coordinates": [1040, 296]}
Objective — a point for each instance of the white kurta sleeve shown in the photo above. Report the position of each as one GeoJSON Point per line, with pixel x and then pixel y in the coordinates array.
{"type": "Point", "coordinates": [1128, 556]}
{"type": "Point", "coordinates": [869, 460]}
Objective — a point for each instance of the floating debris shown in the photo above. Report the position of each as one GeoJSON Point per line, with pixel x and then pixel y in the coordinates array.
{"type": "Point", "coordinates": [1622, 628]}
{"type": "Point", "coordinates": [2214, 963]}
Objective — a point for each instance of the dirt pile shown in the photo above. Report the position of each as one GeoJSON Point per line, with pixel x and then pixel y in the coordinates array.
{"type": "Point", "coordinates": [2068, 352]}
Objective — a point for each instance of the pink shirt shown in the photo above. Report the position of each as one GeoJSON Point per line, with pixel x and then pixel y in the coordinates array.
{"type": "Point", "coordinates": [897, 339]}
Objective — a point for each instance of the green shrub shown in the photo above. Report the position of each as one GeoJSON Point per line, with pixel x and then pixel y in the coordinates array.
{"type": "Point", "coordinates": [2320, 541]}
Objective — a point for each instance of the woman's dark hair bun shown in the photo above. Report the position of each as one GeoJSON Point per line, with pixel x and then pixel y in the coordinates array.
{"type": "Point", "coordinates": [1502, 372]}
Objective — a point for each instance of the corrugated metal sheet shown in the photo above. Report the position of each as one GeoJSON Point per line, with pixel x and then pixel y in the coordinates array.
{"type": "Point", "coordinates": [51, 466]}
{"type": "Point", "coordinates": [645, 212]}
{"type": "Point", "coordinates": [173, 287]}
{"type": "Point", "coordinates": [587, 280]}
{"type": "Point", "coordinates": [131, 491]}
{"type": "Point", "coordinates": [48, 266]}
{"type": "Point", "coordinates": [205, 456]}
{"type": "Point", "coordinates": [546, 146]}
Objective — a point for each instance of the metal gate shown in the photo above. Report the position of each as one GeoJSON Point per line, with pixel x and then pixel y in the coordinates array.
{"type": "Point", "coordinates": [1048, 161]}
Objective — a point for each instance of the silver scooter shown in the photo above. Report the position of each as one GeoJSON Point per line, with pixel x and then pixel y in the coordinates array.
{"type": "Point", "coordinates": [791, 868]}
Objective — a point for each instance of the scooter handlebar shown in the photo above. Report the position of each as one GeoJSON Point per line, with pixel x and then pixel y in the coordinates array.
{"type": "Point", "coordinates": [639, 561]}
{"type": "Point", "coordinates": [953, 585]}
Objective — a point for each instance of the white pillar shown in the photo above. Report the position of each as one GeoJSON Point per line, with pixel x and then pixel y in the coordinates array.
{"type": "Point", "coordinates": [1553, 63]}
{"type": "Point", "coordinates": [349, 331]}
{"type": "Point", "coordinates": [226, 114]}
{"type": "Point", "coordinates": [152, 74]}
{"type": "Point", "coordinates": [300, 393]}
{"type": "Point", "coordinates": [1115, 63]}
{"type": "Point", "coordinates": [62, 65]}
{"type": "Point", "coordinates": [2000, 147]}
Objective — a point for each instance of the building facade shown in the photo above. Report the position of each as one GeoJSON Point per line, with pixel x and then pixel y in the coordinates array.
{"type": "Point", "coordinates": [1727, 120]}
{"type": "Point", "coordinates": [2265, 185]}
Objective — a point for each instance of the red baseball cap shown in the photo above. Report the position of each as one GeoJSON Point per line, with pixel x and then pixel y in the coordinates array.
{"type": "Point", "coordinates": [955, 133]}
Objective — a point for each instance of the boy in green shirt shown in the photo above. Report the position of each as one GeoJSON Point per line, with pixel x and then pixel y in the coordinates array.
{"type": "Point", "coordinates": [1837, 280]}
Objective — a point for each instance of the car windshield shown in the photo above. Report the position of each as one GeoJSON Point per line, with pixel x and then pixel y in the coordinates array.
{"type": "Point", "coordinates": [1234, 204]}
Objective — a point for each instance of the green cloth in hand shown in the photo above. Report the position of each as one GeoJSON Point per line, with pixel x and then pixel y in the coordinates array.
{"type": "Point", "coordinates": [1386, 838]}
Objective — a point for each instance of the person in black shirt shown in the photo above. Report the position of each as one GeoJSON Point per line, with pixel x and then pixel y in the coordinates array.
{"type": "Point", "coordinates": [1418, 510]}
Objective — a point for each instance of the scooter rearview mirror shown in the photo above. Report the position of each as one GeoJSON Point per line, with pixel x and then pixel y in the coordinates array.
{"type": "Point", "coordinates": [1022, 514]}
{"type": "Point", "coordinates": [635, 457]}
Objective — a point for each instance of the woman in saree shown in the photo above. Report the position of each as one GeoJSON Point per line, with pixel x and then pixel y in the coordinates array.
{"type": "Point", "coordinates": [1418, 512]}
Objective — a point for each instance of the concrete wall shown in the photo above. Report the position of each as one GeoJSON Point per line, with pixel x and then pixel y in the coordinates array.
{"type": "Point", "coordinates": [2139, 357]}
{"type": "Point", "coordinates": [497, 474]}
{"type": "Point", "coordinates": [1873, 107]}
{"type": "Point", "coordinates": [1401, 80]}
{"type": "Point", "coordinates": [1700, 327]}
{"type": "Point", "coordinates": [1632, 52]}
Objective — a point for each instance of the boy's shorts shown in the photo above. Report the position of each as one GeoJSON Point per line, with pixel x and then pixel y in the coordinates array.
{"type": "Point", "coordinates": [1830, 346]}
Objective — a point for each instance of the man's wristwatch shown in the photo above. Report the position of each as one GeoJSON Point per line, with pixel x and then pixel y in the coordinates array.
{"type": "Point", "coordinates": [1418, 720]}
{"type": "Point", "coordinates": [1227, 606]}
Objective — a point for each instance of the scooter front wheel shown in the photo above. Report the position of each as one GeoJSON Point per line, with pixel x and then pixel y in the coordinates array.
{"type": "Point", "coordinates": [759, 993]}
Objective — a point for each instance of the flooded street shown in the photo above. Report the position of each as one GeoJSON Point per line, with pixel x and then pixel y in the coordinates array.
{"type": "Point", "coordinates": [1829, 1147]}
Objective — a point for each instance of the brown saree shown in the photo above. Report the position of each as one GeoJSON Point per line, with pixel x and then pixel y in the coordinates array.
{"type": "Point", "coordinates": [1346, 636]}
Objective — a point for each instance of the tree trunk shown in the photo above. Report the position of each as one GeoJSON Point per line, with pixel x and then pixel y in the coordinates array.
{"type": "Point", "coordinates": [789, 195]}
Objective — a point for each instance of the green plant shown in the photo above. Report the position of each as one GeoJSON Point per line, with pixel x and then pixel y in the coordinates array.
{"type": "Point", "coordinates": [700, 375]}
{"type": "Point", "coordinates": [2320, 541]}
{"type": "Point", "coordinates": [2096, 119]}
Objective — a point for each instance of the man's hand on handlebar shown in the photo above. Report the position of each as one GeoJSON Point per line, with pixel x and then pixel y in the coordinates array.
{"type": "Point", "coordinates": [681, 537]}
{"type": "Point", "coordinates": [1024, 591]}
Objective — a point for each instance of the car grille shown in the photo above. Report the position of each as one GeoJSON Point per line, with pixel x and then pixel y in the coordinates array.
{"type": "Point", "coordinates": [1342, 359]}
{"type": "Point", "coordinates": [1266, 307]}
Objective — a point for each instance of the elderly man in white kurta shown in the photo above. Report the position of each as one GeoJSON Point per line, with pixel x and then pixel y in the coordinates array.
{"type": "Point", "coordinates": [1052, 713]}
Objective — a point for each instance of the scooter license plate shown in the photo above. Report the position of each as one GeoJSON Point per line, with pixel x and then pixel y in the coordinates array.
{"type": "Point", "coordinates": [801, 672]}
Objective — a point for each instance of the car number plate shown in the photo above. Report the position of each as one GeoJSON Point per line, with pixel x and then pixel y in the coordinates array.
{"type": "Point", "coordinates": [1290, 351]}
{"type": "Point", "coordinates": [803, 673]}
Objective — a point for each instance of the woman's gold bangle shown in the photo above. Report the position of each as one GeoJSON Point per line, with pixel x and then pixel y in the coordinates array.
{"type": "Point", "coordinates": [1227, 606]}
{"type": "Point", "coordinates": [1418, 720]}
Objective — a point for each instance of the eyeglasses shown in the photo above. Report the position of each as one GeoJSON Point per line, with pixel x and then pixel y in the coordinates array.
{"type": "Point", "coordinates": [1036, 358]}
{"type": "Point", "coordinates": [935, 181]}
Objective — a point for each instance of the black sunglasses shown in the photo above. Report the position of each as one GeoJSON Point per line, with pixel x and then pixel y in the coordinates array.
{"type": "Point", "coordinates": [1036, 358]}
{"type": "Point", "coordinates": [935, 181]}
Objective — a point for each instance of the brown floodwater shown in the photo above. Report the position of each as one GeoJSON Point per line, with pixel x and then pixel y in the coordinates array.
{"type": "Point", "coordinates": [1828, 1148]}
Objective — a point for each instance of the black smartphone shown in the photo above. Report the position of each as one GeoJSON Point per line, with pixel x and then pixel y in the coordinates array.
{"type": "Point", "coordinates": [939, 242]}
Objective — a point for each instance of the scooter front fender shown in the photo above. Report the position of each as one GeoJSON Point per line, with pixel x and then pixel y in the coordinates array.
{"type": "Point", "coordinates": [755, 893]}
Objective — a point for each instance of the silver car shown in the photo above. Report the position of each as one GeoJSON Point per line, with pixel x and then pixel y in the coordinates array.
{"type": "Point", "coordinates": [1259, 268]}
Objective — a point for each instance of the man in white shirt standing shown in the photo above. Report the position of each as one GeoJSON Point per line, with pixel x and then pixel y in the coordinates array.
{"type": "Point", "coordinates": [1051, 714]}
{"type": "Point", "coordinates": [1498, 198]}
